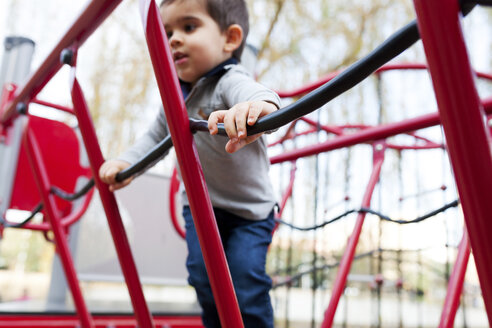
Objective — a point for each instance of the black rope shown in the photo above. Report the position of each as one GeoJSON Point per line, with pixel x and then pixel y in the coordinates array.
{"type": "Point", "coordinates": [370, 211]}
{"type": "Point", "coordinates": [71, 197]}
{"type": "Point", "coordinates": [9, 224]}
{"type": "Point", "coordinates": [419, 219]}
{"type": "Point", "coordinates": [318, 225]}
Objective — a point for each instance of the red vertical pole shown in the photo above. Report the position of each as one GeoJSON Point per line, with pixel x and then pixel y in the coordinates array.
{"type": "Point", "coordinates": [348, 256]}
{"type": "Point", "coordinates": [42, 181]}
{"type": "Point", "coordinates": [462, 118]}
{"type": "Point", "coordinates": [191, 170]}
{"type": "Point", "coordinates": [455, 285]}
{"type": "Point", "coordinates": [108, 200]}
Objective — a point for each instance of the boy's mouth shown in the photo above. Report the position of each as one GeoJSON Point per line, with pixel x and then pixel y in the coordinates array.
{"type": "Point", "coordinates": [179, 58]}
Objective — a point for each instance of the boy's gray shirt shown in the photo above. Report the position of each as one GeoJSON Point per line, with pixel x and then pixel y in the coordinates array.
{"type": "Point", "coordinates": [238, 182]}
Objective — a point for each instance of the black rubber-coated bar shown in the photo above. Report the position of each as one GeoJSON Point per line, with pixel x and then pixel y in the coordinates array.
{"type": "Point", "coordinates": [71, 197]}
{"type": "Point", "coordinates": [8, 224]}
{"type": "Point", "coordinates": [487, 3]}
{"type": "Point", "coordinates": [152, 155]}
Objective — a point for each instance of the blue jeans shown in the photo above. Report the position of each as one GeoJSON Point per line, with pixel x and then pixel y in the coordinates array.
{"type": "Point", "coordinates": [245, 244]}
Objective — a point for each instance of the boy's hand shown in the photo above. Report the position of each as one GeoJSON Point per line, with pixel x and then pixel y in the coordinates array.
{"type": "Point", "coordinates": [108, 171]}
{"type": "Point", "coordinates": [235, 120]}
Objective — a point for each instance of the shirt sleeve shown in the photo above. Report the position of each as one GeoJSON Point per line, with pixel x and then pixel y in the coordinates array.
{"type": "Point", "coordinates": [238, 86]}
{"type": "Point", "coordinates": [155, 134]}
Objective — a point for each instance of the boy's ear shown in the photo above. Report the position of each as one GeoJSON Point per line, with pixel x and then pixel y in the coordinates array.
{"type": "Point", "coordinates": [234, 38]}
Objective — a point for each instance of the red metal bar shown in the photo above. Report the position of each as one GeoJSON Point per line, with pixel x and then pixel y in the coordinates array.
{"type": "Point", "coordinates": [288, 134]}
{"type": "Point", "coordinates": [88, 21]}
{"type": "Point", "coordinates": [330, 129]}
{"type": "Point", "coordinates": [348, 255]}
{"type": "Point", "coordinates": [60, 237]}
{"type": "Point", "coordinates": [190, 168]}
{"type": "Point", "coordinates": [368, 135]}
{"type": "Point", "coordinates": [389, 67]}
{"type": "Point", "coordinates": [55, 106]}
{"type": "Point", "coordinates": [68, 320]}
{"type": "Point", "coordinates": [462, 117]}
{"type": "Point", "coordinates": [108, 200]}
{"type": "Point", "coordinates": [288, 191]}
{"type": "Point", "coordinates": [173, 190]}
{"type": "Point", "coordinates": [487, 105]}
{"type": "Point", "coordinates": [455, 285]}
{"type": "Point", "coordinates": [7, 93]}
{"type": "Point", "coordinates": [307, 88]}
{"type": "Point", "coordinates": [401, 66]}
{"type": "Point", "coordinates": [483, 75]}
{"type": "Point", "coordinates": [430, 145]}
{"type": "Point", "coordinates": [338, 130]}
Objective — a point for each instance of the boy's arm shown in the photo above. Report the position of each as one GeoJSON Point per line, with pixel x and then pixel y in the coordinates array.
{"type": "Point", "coordinates": [155, 134]}
{"type": "Point", "coordinates": [109, 169]}
{"type": "Point", "coordinates": [235, 120]}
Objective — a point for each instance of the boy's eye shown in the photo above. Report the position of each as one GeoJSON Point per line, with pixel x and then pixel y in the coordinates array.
{"type": "Point", "coordinates": [189, 27]}
{"type": "Point", "coordinates": [169, 34]}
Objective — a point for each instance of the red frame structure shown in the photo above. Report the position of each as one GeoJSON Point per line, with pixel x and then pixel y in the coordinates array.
{"type": "Point", "coordinates": [448, 62]}
{"type": "Point", "coordinates": [462, 117]}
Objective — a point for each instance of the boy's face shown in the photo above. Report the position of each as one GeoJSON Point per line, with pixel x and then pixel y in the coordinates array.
{"type": "Point", "coordinates": [196, 42]}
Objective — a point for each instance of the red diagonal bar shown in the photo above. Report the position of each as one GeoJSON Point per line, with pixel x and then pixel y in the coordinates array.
{"type": "Point", "coordinates": [348, 255]}
{"type": "Point", "coordinates": [122, 246]}
{"type": "Point", "coordinates": [288, 192]}
{"type": "Point", "coordinates": [42, 181]}
{"type": "Point", "coordinates": [462, 117]}
{"type": "Point", "coordinates": [368, 135]}
{"type": "Point", "coordinates": [191, 170]}
{"type": "Point", "coordinates": [88, 21]}
{"type": "Point", "coordinates": [455, 285]}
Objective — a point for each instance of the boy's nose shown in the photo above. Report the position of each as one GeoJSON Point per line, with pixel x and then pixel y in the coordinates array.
{"type": "Point", "coordinates": [175, 40]}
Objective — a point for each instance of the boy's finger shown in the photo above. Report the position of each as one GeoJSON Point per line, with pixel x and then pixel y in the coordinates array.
{"type": "Point", "coordinates": [214, 119]}
{"type": "Point", "coordinates": [255, 110]}
{"type": "Point", "coordinates": [230, 124]}
{"type": "Point", "coordinates": [232, 147]}
{"type": "Point", "coordinates": [241, 116]}
{"type": "Point", "coordinates": [119, 185]}
{"type": "Point", "coordinates": [103, 173]}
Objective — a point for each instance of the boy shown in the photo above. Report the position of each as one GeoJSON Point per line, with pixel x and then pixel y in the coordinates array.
{"type": "Point", "coordinates": [206, 38]}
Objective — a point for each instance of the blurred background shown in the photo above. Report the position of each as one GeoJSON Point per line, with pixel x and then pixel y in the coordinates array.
{"type": "Point", "coordinates": [295, 42]}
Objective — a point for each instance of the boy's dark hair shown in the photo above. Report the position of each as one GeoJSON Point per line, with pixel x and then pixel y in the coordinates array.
{"type": "Point", "coordinates": [225, 13]}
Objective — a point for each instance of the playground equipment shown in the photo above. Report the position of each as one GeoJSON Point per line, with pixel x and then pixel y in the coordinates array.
{"type": "Point", "coordinates": [471, 166]}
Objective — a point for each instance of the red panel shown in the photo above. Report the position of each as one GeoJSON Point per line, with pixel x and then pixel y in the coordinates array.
{"type": "Point", "coordinates": [61, 154]}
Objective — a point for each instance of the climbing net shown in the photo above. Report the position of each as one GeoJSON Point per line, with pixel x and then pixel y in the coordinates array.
{"type": "Point", "coordinates": [413, 225]}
